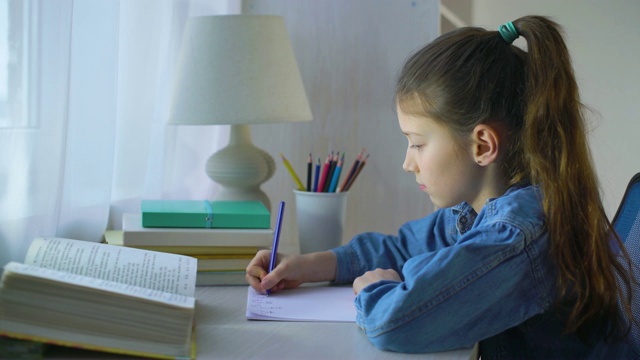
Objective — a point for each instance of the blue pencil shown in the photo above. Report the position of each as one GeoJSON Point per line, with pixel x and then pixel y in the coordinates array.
{"type": "Point", "coordinates": [317, 176]}
{"type": "Point", "coordinates": [336, 175]}
{"type": "Point", "coordinates": [276, 240]}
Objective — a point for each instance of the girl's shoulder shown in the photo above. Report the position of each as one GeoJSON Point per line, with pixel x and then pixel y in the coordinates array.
{"type": "Point", "coordinates": [520, 206]}
{"type": "Point", "coordinates": [528, 195]}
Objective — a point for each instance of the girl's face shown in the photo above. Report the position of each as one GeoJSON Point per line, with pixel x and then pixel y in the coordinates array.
{"type": "Point", "coordinates": [444, 170]}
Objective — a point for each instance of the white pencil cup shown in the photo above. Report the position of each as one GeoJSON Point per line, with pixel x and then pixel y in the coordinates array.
{"type": "Point", "coordinates": [320, 218]}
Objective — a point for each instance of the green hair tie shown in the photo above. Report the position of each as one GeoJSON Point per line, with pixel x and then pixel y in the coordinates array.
{"type": "Point", "coordinates": [508, 32]}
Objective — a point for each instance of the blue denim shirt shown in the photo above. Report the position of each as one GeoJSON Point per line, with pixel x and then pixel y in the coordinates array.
{"type": "Point", "coordinates": [467, 278]}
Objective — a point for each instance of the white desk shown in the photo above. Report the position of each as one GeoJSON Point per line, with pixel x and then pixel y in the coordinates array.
{"type": "Point", "coordinates": [224, 333]}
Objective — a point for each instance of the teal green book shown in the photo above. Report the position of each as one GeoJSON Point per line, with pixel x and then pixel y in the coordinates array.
{"type": "Point", "coordinates": [205, 214]}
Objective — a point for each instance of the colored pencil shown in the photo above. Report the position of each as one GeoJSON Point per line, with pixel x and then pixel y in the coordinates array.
{"type": "Point", "coordinates": [309, 171]}
{"type": "Point", "coordinates": [292, 172]}
{"type": "Point", "coordinates": [336, 175]}
{"type": "Point", "coordinates": [353, 179]}
{"type": "Point", "coordinates": [325, 171]}
{"type": "Point", "coordinates": [317, 176]}
{"type": "Point", "coordinates": [351, 172]}
{"type": "Point", "coordinates": [276, 240]}
{"type": "Point", "coordinates": [332, 168]}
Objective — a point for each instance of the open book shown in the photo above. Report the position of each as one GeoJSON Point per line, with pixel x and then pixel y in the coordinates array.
{"type": "Point", "coordinates": [101, 297]}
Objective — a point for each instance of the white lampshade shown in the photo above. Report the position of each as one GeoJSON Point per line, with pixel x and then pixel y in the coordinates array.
{"type": "Point", "coordinates": [238, 70]}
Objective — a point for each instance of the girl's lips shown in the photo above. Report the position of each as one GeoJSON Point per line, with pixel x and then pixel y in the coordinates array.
{"type": "Point", "coordinates": [422, 187]}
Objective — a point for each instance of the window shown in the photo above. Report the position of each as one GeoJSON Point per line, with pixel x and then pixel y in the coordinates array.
{"type": "Point", "coordinates": [18, 63]}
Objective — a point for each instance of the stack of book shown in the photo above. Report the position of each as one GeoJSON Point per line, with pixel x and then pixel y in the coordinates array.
{"type": "Point", "coordinates": [223, 235]}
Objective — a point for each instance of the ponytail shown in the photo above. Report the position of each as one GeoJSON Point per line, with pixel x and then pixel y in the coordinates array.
{"type": "Point", "coordinates": [557, 153]}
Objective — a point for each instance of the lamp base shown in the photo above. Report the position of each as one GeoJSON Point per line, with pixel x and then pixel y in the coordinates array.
{"type": "Point", "coordinates": [241, 168]}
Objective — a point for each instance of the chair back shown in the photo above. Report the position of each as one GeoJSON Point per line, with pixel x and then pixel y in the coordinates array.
{"type": "Point", "coordinates": [627, 224]}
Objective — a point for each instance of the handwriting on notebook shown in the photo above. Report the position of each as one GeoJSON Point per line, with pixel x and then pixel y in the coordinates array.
{"type": "Point", "coordinates": [313, 303]}
{"type": "Point", "coordinates": [262, 305]}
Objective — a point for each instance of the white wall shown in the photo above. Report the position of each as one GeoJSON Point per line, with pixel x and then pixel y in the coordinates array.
{"type": "Point", "coordinates": [604, 40]}
{"type": "Point", "coordinates": [349, 53]}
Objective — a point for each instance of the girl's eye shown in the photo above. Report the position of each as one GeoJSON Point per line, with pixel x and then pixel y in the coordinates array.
{"type": "Point", "coordinates": [417, 147]}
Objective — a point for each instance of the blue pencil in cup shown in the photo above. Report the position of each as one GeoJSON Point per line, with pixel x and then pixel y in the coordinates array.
{"type": "Point", "coordinates": [317, 175]}
{"type": "Point", "coordinates": [336, 175]}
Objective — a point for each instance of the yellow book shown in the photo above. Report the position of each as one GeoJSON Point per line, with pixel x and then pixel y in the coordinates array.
{"type": "Point", "coordinates": [101, 297]}
{"type": "Point", "coordinates": [114, 237]}
{"type": "Point", "coordinates": [223, 262]}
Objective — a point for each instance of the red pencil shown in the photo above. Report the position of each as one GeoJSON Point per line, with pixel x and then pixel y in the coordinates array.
{"type": "Point", "coordinates": [325, 171]}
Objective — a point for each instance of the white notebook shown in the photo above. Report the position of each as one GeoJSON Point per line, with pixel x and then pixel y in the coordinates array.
{"type": "Point", "coordinates": [306, 303]}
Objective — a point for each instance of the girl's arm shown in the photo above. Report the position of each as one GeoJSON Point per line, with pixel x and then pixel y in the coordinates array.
{"type": "Point", "coordinates": [369, 251]}
{"type": "Point", "coordinates": [490, 281]}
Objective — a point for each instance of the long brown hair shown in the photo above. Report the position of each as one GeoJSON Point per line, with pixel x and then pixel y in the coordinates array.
{"type": "Point", "coordinates": [472, 76]}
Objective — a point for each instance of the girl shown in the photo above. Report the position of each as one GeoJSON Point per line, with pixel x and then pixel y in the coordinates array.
{"type": "Point", "coordinates": [519, 258]}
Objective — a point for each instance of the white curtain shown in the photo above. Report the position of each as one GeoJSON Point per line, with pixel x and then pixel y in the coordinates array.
{"type": "Point", "coordinates": [85, 90]}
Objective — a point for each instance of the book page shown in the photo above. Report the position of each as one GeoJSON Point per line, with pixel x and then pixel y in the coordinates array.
{"type": "Point", "coordinates": [14, 268]}
{"type": "Point", "coordinates": [312, 303]}
{"type": "Point", "coordinates": [148, 269]}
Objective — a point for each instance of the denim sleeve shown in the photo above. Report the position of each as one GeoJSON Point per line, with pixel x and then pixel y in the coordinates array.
{"type": "Point", "coordinates": [492, 279]}
{"type": "Point", "coordinates": [368, 251]}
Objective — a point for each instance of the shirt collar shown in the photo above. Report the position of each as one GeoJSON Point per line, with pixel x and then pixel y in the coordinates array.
{"type": "Point", "coordinates": [466, 215]}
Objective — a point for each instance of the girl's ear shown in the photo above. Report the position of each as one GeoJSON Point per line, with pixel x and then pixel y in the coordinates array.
{"type": "Point", "coordinates": [485, 140]}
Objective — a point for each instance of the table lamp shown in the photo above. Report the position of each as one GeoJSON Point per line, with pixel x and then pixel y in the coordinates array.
{"type": "Point", "coordinates": [238, 70]}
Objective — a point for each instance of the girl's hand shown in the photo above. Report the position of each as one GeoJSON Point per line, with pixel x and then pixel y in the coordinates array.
{"type": "Point", "coordinates": [257, 269]}
{"type": "Point", "coordinates": [261, 280]}
{"type": "Point", "coordinates": [291, 270]}
{"type": "Point", "coordinates": [374, 276]}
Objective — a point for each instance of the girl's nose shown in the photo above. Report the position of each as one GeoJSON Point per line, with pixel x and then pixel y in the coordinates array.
{"type": "Point", "coordinates": [408, 164]}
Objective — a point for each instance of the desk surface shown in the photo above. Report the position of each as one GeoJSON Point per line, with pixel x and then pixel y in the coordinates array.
{"type": "Point", "coordinates": [224, 333]}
